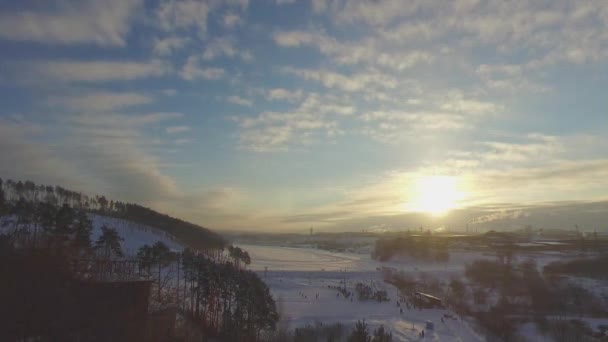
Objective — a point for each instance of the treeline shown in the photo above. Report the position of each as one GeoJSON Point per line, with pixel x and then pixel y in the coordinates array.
{"type": "Point", "coordinates": [236, 306]}
{"type": "Point", "coordinates": [593, 267]}
{"type": "Point", "coordinates": [217, 295]}
{"type": "Point", "coordinates": [61, 229]}
{"type": "Point", "coordinates": [187, 233]}
{"type": "Point", "coordinates": [507, 289]}
{"type": "Point", "coordinates": [212, 290]}
{"type": "Point", "coordinates": [338, 332]}
{"type": "Point", "coordinates": [423, 247]}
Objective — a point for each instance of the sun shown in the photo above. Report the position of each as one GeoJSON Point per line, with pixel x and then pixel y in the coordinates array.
{"type": "Point", "coordinates": [435, 195]}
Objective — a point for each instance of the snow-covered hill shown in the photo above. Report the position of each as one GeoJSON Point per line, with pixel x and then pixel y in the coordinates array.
{"type": "Point", "coordinates": [134, 234]}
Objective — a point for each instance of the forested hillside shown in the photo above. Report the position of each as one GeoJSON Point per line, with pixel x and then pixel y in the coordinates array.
{"type": "Point", "coordinates": [59, 250]}
{"type": "Point", "coordinates": [30, 193]}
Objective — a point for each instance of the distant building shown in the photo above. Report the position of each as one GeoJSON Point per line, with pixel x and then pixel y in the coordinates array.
{"type": "Point", "coordinates": [427, 301]}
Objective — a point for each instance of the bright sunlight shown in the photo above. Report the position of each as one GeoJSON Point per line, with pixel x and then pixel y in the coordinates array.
{"type": "Point", "coordinates": [435, 195]}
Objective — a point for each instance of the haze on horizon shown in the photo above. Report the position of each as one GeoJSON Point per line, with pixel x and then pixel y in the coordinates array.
{"type": "Point", "coordinates": [343, 115]}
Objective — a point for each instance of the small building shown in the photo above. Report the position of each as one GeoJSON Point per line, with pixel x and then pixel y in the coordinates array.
{"type": "Point", "coordinates": [428, 301]}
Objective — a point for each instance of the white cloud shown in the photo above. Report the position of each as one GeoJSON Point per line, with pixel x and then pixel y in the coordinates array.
{"type": "Point", "coordinates": [395, 126]}
{"type": "Point", "coordinates": [225, 47]}
{"type": "Point", "coordinates": [166, 46]}
{"type": "Point", "coordinates": [458, 103]}
{"type": "Point", "coordinates": [169, 92]}
{"type": "Point", "coordinates": [120, 121]}
{"type": "Point", "coordinates": [281, 94]}
{"type": "Point", "coordinates": [315, 118]}
{"type": "Point", "coordinates": [368, 51]}
{"type": "Point", "coordinates": [103, 23]}
{"type": "Point", "coordinates": [350, 83]}
{"type": "Point", "coordinates": [92, 153]}
{"type": "Point", "coordinates": [178, 15]}
{"type": "Point", "coordinates": [93, 71]}
{"type": "Point", "coordinates": [177, 129]}
{"type": "Point", "coordinates": [100, 101]}
{"type": "Point", "coordinates": [192, 71]}
{"type": "Point", "coordinates": [285, 2]}
{"type": "Point", "coordinates": [533, 147]}
{"type": "Point", "coordinates": [239, 101]}
{"type": "Point", "coordinates": [184, 15]}
{"type": "Point", "coordinates": [231, 20]}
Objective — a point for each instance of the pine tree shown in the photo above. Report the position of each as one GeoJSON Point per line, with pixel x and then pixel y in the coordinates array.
{"type": "Point", "coordinates": [109, 243]}
{"type": "Point", "coordinates": [82, 232]}
{"type": "Point", "coordinates": [162, 256]}
{"type": "Point", "coordinates": [2, 199]}
{"type": "Point", "coordinates": [360, 333]}
{"type": "Point", "coordinates": [63, 225]}
{"type": "Point", "coordinates": [380, 335]}
{"type": "Point", "coordinates": [146, 258]}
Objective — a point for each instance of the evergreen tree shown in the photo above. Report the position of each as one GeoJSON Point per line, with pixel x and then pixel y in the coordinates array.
{"type": "Point", "coordinates": [63, 225]}
{"type": "Point", "coordinates": [24, 212]}
{"type": "Point", "coordinates": [360, 333]}
{"type": "Point", "coordinates": [46, 215]}
{"type": "Point", "coordinates": [380, 335]}
{"type": "Point", "coordinates": [109, 243]}
{"type": "Point", "coordinates": [146, 258]}
{"type": "Point", "coordinates": [162, 256]}
{"type": "Point", "coordinates": [2, 199]}
{"type": "Point", "coordinates": [82, 232]}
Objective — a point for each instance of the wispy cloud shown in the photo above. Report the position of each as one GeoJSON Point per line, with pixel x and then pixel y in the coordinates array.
{"type": "Point", "coordinates": [100, 101]}
{"type": "Point", "coordinates": [166, 46]}
{"type": "Point", "coordinates": [179, 15]}
{"type": "Point", "coordinates": [225, 47]}
{"type": "Point", "coordinates": [177, 129]}
{"type": "Point", "coordinates": [184, 15]}
{"type": "Point", "coordinates": [281, 94]}
{"type": "Point", "coordinates": [192, 70]}
{"type": "Point", "coordinates": [72, 22]}
{"type": "Point", "coordinates": [239, 101]}
{"type": "Point", "coordinates": [92, 71]}
{"type": "Point", "coordinates": [368, 52]}
{"type": "Point", "coordinates": [350, 83]}
{"type": "Point", "coordinates": [232, 20]}
{"type": "Point", "coordinates": [316, 117]}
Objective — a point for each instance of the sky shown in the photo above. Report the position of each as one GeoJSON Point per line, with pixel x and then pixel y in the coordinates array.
{"type": "Point", "coordinates": [280, 115]}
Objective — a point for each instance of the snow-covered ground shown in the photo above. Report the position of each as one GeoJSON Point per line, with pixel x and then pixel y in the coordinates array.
{"type": "Point", "coordinates": [296, 275]}
{"type": "Point", "coordinates": [134, 235]}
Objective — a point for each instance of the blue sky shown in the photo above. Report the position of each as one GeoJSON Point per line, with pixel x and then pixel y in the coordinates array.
{"type": "Point", "coordinates": [281, 115]}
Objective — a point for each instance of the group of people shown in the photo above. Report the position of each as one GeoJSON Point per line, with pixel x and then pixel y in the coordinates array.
{"type": "Point", "coordinates": [402, 301]}
{"type": "Point", "coordinates": [305, 296]}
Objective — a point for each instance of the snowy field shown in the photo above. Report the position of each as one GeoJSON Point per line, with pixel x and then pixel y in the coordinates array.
{"type": "Point", "coordinates": [297, 275]}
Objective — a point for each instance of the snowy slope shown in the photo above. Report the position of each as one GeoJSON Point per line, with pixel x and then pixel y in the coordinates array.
{"type": "Point", "coordinates": [135, 235]}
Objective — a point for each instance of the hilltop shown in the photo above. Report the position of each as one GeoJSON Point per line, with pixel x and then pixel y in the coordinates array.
{"type": "Point", "coordinates": [27, 193]}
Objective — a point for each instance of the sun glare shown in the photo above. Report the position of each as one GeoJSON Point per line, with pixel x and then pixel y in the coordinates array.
{"type": "Point", "coordinates": [435, 195]}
